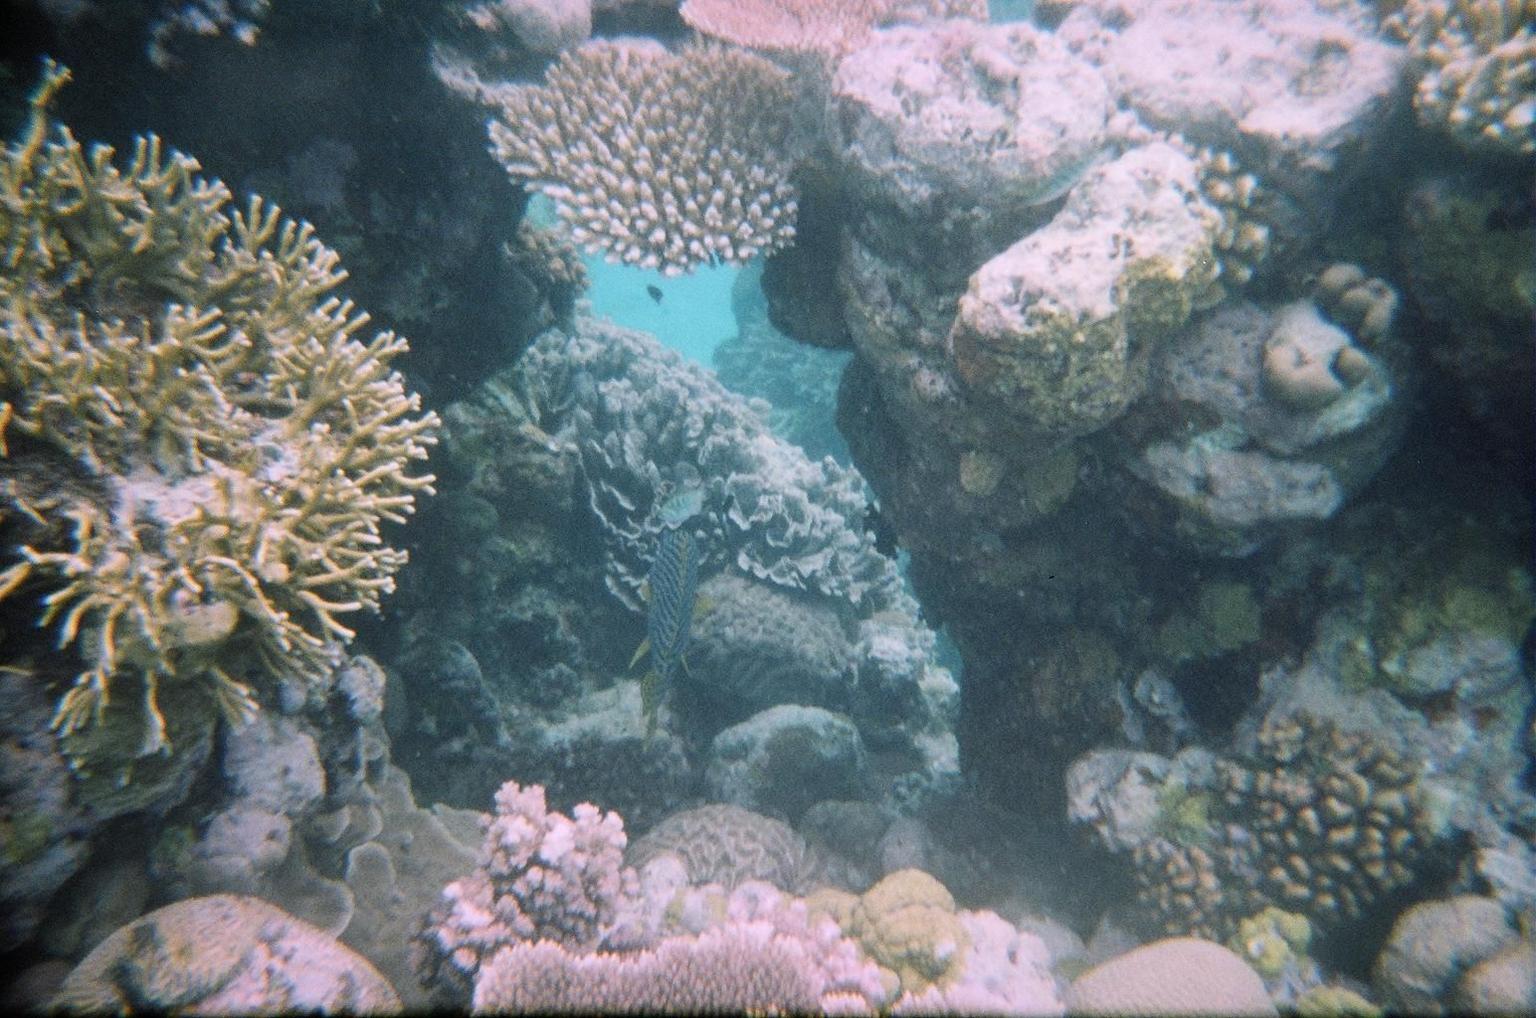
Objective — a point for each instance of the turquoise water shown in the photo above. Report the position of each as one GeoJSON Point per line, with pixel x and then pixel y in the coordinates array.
{"type": "Point", "coordinates": [692, 316]}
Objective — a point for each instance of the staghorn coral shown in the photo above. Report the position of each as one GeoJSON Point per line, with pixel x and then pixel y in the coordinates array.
{"type": "Point", "coordinates": [240, 19]}
{"type": "Point", "coordinates": [236, 446]}
{"type": "Point", "coordinates": [543, 877]}
{"type": "Point", "coordinates": [1479, 60]}
{"type": "Point", "coordinates": [662, 160]}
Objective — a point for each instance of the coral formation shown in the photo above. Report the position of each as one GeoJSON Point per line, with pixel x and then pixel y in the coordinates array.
{"type": "Point", "coordinates": [1242, 241]}
{"type": "Point", "coordinates": [662, 160]}
{"type": "Point", "coordinates": [764, 953]}
{"type": "Point", "coordinates": [814, 26]}
{"type": "Point", "coordinates": [1434, 945]}
{"type": "Point", "coordinates": [728, 845]}
{"type": "Point", "coordinates": [241, 444]}
{"type": "Point", "coordinates": [1063, 354]}
{"type": "Point", "coordinates": [1478, 61]}
{"type": "Point", "coordinates": [907, 924]}
{"type": "Point", "coordinates": [1182, 975]}
{"type": "Point", "coordinates": [223, 954]}
{"type": "Point", "coordinates": [995, 115]}
{"type": "Point", "coordinates": [543, 876]}
{"type": "Point", "coordinates": [1323, 822]}
{"type": "Point", "coordinates": [784, 759]}
{"type": "Point", "coordinates": [1282, 413]}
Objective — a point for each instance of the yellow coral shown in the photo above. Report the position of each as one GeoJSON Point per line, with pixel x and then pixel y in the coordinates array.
{"type": "Point", "coordinates": [240, 443]}
{"type": "Point", "coordinates": [907, 924]}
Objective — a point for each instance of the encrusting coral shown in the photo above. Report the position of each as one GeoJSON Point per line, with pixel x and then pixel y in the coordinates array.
{"type": "Point", "coordinates": [229, 445]}
{"type": "Point", "coordinates": [663, 160]}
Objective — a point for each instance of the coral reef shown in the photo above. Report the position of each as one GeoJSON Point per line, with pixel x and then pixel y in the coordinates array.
{"type": "Point", "coordinates": [1477, 60]}
{"type": "Point", "coordinates": [1324, 822]}
{"type": "Point", "coordinates": [1435, 944]}
{"type": "Point", "coordinates": [1178, 976]}
{"type": "Point", "coordinates": [784, 759]}
{"type": "Point", "coordinates": [240, 443]}
{"type": "Point", "coordinates": [542, 877]}
{"type": "Point", "coordinates": [223, 954]}
{"type": "Point", "coordinates": [1063, 354]}
{"type": "Point", "coordinates": [662, 160]}
{"type": "Point", "coordinates": [728, 845]}
{"type": "Point", "coordinates": [748, 964]}
{"type": "Point", "coordinates": [530, 603]}
{"type": "Point", "coordinates": [814, 26]}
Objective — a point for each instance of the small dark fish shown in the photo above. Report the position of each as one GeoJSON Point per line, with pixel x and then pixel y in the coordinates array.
{"type": "Point", "coordinates": [654, 291]}
{"type": "Point", "coordinates": [884, 533]}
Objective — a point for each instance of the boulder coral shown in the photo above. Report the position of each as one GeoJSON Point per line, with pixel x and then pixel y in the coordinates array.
{"type": "Point", "coordinates": [225, 954]}
{"type": "Point", "coordinates": [1182, 975]}
{"type": "Point", "coordinates": [1056, 331]}
{"type": "Point", "coordinates": [221, 446]}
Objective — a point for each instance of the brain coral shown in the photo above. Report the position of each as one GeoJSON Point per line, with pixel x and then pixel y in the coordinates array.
{"type": "Point", "coordinates": [725, 844]}
{"type": "Point", "coordinates": [663, 160]}
{"type": "Point", "coordinates": [221, 446]}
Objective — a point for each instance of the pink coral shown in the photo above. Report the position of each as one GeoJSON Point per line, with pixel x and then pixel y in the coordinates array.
{"type": "Point", "coordinates": [803, 25]}
{"type": "Point", "coordinates": [766, 956]}
{"type": "Point", "coordinates": [543, 876]}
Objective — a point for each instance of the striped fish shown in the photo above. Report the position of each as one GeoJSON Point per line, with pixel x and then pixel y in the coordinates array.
{"type": "Point", "coordinates": [672, 588]}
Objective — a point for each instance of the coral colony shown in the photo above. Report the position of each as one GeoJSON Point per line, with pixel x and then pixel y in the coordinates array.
{"type": "Point", "coordinates": [1094, 578]}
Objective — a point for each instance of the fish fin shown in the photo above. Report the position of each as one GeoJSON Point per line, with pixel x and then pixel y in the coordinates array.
{"type": "Point", "coordinates": [640, 652]}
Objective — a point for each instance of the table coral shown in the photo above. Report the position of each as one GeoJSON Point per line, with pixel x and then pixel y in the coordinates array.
{"type": "Point", "coordinates": [662, 160]}
{"type": "Point", "coordinates": [231, 446]}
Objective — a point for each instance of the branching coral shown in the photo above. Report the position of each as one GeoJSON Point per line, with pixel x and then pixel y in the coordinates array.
{"type": "Point", "coordinates": [663, 160]}
{"type": "Point", "coordinates": [543, 876]}
{"type": "Point", "coordinates": [244, 442]}
{"type": "Point", "coordinates": [1480, 76]}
